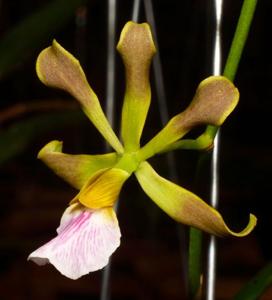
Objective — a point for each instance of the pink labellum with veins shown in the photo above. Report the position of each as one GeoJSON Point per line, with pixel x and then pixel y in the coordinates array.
{"type": "Point", "coordinates": [85, 241]}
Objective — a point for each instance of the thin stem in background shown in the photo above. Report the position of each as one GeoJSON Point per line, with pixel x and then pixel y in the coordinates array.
{"type": "Point", "coordinates": [240, 37]}
{"type": "Point", "coordinates": [194, 263]}
{"type": "Point", "coordinates": [195, 276]}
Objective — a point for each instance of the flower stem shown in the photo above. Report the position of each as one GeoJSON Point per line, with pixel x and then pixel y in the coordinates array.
{"type": "Point", "coordinates": [240, 37]}
{"type": "Point", "coordinates": [194, 264]}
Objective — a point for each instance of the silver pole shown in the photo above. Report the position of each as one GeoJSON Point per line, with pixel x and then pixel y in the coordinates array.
{"type": "Point", "coordinates": [211, 272]}
{"type": "Point", "coordinates": [105, 295]}
{"type": "Point", "coordinates": [110, 93]}
{"type": "Point", "coordinates": [136, 11]}
{"type": "Point", "coordinates": [110, 89]}
{"type": "Point", "coordinates": [159, 83]}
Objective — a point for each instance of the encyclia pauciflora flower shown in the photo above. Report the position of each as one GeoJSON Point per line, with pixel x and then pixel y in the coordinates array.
{"type": "Point", "coordinates": [89, 233]}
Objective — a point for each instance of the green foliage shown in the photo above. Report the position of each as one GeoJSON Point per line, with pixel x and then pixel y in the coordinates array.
{"type": "Point", "coordinates": [16, 139]}
{"type": "Point", "coordinates": [257, 285]}
{"type": "Point", "coordinates": [23, 39]}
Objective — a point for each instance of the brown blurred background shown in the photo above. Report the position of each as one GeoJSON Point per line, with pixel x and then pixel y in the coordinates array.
{"type": "Point", "coordinates": [151, 260]}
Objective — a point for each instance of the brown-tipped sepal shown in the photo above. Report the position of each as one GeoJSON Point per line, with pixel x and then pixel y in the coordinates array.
{"type": "Point", "coordinates": [58, 68]}
{"type": "Point", "coordinates": [136, 48]}
{"type": "Point", "coordinates": [75, 169]}
{"type": "Point", "coordinates": [214, 100]}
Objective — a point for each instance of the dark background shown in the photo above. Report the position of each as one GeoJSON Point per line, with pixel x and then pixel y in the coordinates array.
{"type": "Point", "coordinates": [151, 259]}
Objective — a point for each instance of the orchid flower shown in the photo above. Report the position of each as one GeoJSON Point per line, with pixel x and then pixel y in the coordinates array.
{"type": "Point", "coordinates": [89, 232]}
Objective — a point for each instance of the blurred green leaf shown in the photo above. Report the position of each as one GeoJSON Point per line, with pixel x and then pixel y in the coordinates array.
{"type": "Point", "coordinates": [257, 285]}
{"type": "Point", "coordinates": [16, 139]}
{"type": "Point", "coordinates": [23, 39]}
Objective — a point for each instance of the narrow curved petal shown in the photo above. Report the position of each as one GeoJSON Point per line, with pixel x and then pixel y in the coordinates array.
{"type": "Point", "coordinates": [85, 241]}
{"type": "Point", "coordinates": [103, 188]}
{"type": "Point", "coordinates": [136, 48]}
{"type": "Point", "coordinates": [75, 169]}
{"type": "Point", "coordinates": [215, 98]}
{"type": "Point", "coordinates": [58, 68]}
{"type": "Point", "coordinates": [183, 206]}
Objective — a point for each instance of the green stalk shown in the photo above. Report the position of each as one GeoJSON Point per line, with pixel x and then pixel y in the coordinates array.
{"type": "Point", "coordinates": [194, 264]}
{"type": "Point", "coordinates": [240, 37]}
{"type": "Point", "coordinates": [237, 45]}
{"type": "Point", "coordinates": [231, 66]}
{"type": "Point", "coordinates": [257, 285]}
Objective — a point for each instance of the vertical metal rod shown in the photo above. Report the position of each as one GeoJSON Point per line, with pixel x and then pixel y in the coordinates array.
{"type": "Point", "coordinates": [211, 271]}
{"type": "Point", "coordinates": [105, 295]}
{"type": "Point", "coordinates": [110, 93]}
{"type": "Point", "coordinates": [159, 83]}
{"type": "Point", "coordinates": [136, 10]}
{"type": "Point", "coordinates": [157, 67]}
{"type": "Point", "coordinates": [110, 89]}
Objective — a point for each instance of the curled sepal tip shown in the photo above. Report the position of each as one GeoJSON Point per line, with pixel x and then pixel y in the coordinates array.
{"type": "Point", "coordinates": [184, 206]}
{"type": "Point", "coordinates": [75, 169]}
{"type": "Point", "coordinates": [103, 188]}
{"type": "Point", "coordinates": [58, 68]}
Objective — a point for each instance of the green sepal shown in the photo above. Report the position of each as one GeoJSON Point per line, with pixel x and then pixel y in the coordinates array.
{"type": "Point", "coordinates": [75, 169]}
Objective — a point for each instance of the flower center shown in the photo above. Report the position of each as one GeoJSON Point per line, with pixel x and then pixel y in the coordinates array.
{"type": "Point", "coordinates": [129, 162]}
